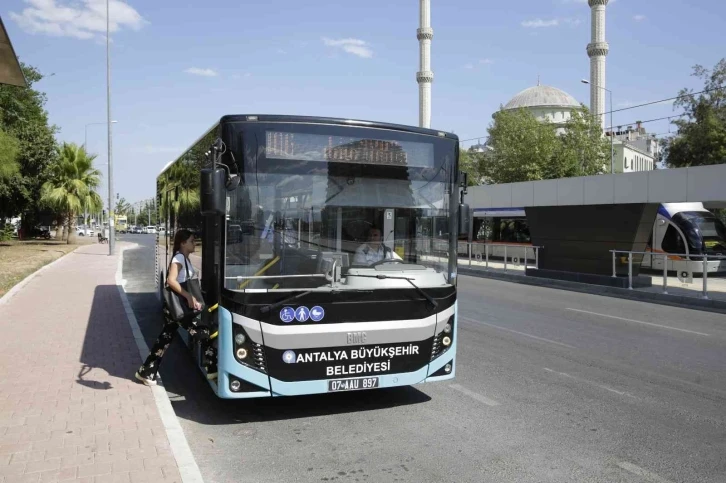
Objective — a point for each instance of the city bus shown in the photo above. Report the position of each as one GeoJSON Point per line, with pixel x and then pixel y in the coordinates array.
{"type": "Point", "coordinates": [282, 206]}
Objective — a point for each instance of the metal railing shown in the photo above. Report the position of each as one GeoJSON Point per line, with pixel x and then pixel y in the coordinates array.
{"type": "Point", "coordinates": [704, 259]}
{"type": "Point", "coordinates": [512, 250]}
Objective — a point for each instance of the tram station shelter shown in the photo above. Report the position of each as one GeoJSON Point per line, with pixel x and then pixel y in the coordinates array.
{"type": "Point", "coordinates": [579, 220]}
{"type": "Point", "coordinates": [10, 71]}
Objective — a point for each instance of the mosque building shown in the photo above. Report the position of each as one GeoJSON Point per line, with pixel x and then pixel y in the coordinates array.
{"type": "Point", "coordinates": [634, 150]}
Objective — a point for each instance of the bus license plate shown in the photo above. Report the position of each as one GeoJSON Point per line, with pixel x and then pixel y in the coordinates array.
{"type": "Point", "coordinates": [352, 384]}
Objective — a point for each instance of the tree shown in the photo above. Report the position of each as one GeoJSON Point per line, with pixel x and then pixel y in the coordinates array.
{"type": "Point", "coordinates": [584, 151]}
{"type": "Point", "coordinates": [9, 148]}
{"type": "Point", "coordinates": [701, 138]}
{"type": "Point", "coordinates": [526, 149]}
{"type": "Point", "coordinates": [72, 186]}
{"type": "Point", "coordinates": [471, 163]}
{"type": "Point", "coordinates": [122, 207]}
{"type": "Point", "coordinates": [521, 146]}
{"type": "Point", "coordinates": [183, 188]}
{"type": "Point", "coordinates": [22, 116]}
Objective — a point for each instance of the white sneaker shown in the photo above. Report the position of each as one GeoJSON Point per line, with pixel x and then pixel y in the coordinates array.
{"type": "Point", "coordinates": [148, 381]}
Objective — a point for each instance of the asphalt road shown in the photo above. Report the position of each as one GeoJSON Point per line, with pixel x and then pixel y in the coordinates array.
{"type": "Point", "coordinates": [551, 386]}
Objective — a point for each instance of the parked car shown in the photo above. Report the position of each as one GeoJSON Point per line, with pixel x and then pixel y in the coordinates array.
{"type": "Point", "coordinates": [80, 231]}
{"type": "Point", "coordinates": [151, 230]}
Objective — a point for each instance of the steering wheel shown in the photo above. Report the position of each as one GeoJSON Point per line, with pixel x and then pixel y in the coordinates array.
{"type": "Point", "coordinates": [386, 260]}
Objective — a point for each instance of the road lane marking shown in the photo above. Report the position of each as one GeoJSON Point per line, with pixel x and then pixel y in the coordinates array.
{"type": "Point", "coordinates": [474, 395]}
{"type": "Point", "coordinates": [601, 386]}
{"type": "Point", "coordinates": [517, 332]}
{"type": "Point", "coordinates": [639, 322]}
{"type": "Point", "coordinates": [637, 470]}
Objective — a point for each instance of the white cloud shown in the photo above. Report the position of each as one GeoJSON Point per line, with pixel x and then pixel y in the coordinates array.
{"type": "Point", "coordinates": [469, 66]}
{"type": "Point", "coordinates": [281, 51]}
{"type": "Point", "coordinates": [352, 46]}
{"type": "Point", "coordinates": [81, 20]}
{"type": "Point", "coordinates": [486, 61]}
{"type": "Point", "coordinates": [239, 76]}
{"type": "Point", "coordinates": [539, 23]}
{"type": "Point", "coordinates": [202, 72]}
{"type": "Point", "coordinates": [639, 18]}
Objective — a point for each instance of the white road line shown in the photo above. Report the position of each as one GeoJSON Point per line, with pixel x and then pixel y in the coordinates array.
{"type": "Point", "coordinates": [637, 470]}
{"type": "Point", "coordinates": [601, 386]}
{"type": "Point", "coordinates": [474, 395]}
{"type": "Point", "coordinates": [639, 322]}
{"type": "Point", "coordinates": [517, 332]}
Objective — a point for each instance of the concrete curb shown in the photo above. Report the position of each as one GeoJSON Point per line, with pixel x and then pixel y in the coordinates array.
{"type": "Point", "coordinates": [682, 301]}
{"type": "Point", "coordinates": [19, 286]}
{"type": "Point", "coordinates": [188, 468]}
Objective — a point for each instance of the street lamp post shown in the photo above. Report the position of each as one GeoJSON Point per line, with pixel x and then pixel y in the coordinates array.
{"type": "Point", "coordinates": [85, 146]}
{"type": "Point", "coordinates": [111, 234]}
{"type": "Point", "coordinates": [612, 133]}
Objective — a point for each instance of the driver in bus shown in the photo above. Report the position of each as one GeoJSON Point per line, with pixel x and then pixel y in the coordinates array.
{"type": "Point", "coordinates": [374, 250]}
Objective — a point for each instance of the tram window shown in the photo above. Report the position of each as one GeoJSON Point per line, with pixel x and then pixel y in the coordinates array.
{"type": "Point", "coordinates": [672, 241]}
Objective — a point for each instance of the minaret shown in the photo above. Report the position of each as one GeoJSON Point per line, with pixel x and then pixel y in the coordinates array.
{"type": "Point", "coordinates": [424, 76]}
{"type": "Point", "coordinates": [597, 50]}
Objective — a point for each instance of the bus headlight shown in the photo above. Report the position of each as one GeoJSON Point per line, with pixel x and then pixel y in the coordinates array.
{"type": "Point", "coordinates": [444, 339]}
{"type": "Point", "coordinates": [235, 385]}
{"type": "Point", "coordinates": [241, 353]}
{"type": "Point", "coordinates": [240, 338]}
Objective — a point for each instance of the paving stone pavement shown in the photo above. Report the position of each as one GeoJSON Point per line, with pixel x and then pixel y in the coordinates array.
{"type": "Point", "coordinates": [70, 409]}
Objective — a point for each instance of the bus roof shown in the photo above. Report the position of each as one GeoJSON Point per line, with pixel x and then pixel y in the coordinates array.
{"type": "Point", "coordinates": [335, 120]}
{"type": "Point", "coordinates": [233, 118]}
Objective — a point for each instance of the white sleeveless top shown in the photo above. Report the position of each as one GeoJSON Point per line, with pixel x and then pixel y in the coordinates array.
{"type": "Point", "coordinates": [183, 275]}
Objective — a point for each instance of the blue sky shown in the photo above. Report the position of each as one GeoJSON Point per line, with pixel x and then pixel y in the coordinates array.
{"type": "Point", "coordinates": [178, 66]}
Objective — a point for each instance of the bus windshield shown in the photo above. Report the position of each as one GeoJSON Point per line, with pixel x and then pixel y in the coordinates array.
{"type": "Point", "coordinates": [314, 194]}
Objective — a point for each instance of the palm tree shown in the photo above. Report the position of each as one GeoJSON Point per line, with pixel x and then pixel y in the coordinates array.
{"type": "Point", "coordinates": [122, 207]}
{"type": "Point", "coordinates": [72, 185]}
{"type": "Point", "coordinates": [183, 187]}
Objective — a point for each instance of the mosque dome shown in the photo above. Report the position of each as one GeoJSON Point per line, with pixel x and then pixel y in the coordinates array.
{"type": "Point", "coordinates": [542, 97]}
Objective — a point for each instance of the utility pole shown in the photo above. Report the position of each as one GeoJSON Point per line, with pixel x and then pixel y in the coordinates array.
{"type": "Point", "coordinates": [111, 234]}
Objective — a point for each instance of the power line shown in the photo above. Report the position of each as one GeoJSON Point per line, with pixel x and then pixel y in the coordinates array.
{"type": "Point", "coordinates": [664, 100]}
{"type": "Point", "coordinates": [635, 107]}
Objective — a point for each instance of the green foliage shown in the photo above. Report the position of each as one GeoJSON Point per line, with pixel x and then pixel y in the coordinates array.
{"type": "Point", "coordinates": [584, 150]}
{"type": "Point", "coordinates": [23, 117]}
{"type": "Point", "coordinates": [8, 155]}
{"type": "Point", "coordinates": [6, 232]}
{"type": "Point", "coordinates": [526, 149]}
{"type": "Point", "coordinates": [140, 212]}
{"type": "Point", "coordinates": [122, 207]}
{"type": "Point", "coordinates": [72, 186]}
{"type": "Point", "coordinates": [701, 138]}
{"type": "Point", "coordinates": [471, 163]}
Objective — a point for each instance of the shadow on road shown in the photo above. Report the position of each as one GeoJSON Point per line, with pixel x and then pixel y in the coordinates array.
{"type": "Point", "coordinates": [204, 407]}
{"type": "Point", "coordinates": [193, 398]}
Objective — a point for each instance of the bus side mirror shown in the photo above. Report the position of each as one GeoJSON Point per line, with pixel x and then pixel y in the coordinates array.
{"type": "Point", "coordinates": [464, 217]}
{"type": "Point", "coordinates": [213, 192]}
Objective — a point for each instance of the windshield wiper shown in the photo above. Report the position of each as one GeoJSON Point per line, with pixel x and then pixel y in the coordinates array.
{"type": "Point", "coordinates": [382, 276]}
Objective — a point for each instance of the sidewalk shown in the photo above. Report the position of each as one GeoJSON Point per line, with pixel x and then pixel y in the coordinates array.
{"type": "Point", "coordinates": [70, 408]}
